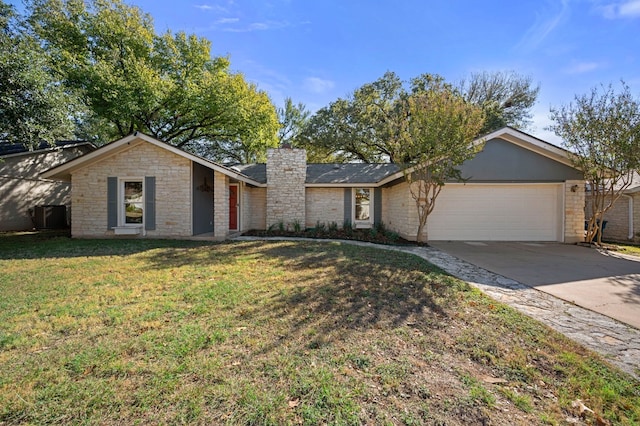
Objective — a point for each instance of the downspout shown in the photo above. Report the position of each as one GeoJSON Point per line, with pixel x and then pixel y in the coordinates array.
{"type": "Point", "coordinates": [630, 198]}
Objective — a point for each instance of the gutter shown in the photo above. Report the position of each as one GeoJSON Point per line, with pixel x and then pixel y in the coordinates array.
{"type": "Point", "coordinates": [630, 219]}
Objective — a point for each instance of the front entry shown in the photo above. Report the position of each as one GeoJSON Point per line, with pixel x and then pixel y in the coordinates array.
{"type": "Point", "coordinates": [233, 207]}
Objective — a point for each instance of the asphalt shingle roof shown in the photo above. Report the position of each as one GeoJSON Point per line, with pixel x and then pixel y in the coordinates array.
{"type": "Point", "coordinates": [346, 173]}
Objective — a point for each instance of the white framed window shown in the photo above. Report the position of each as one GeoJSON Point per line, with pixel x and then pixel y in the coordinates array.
{"type": "Point", "coordinates": [131, 202]}
{"type": "Point", "coordinates": [362, 207]}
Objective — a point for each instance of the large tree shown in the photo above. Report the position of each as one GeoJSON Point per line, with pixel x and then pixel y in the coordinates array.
{"type": "Point", "coordinates": [164, 85]}
{"type": "Point", "coordinates": [438, 136]}
{"type": "Point", "coordinates": [362, 127]}
{"type": "Point", "coordinates": [602, 129]}
{"type": "Point", "coordinates": [505, 97]}
{"type": "Point", "coordinates": [33, 107]}
{"type": "Point", "coordinates": [293, 119]}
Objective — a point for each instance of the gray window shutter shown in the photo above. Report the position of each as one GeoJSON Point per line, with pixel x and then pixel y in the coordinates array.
{"type": "Point", "coordinates": [112, 202]}
{"type": "Point", "coordinates": [150, 202]}
{"type": "Point", "coordinates": [377, 206]}
{"type": "Point", "coordinates": [347, 205]}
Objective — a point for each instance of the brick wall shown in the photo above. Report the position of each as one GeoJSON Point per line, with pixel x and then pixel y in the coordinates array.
{"type": "Point", "coordinates": [617, 218]}
{"type": "Point", "coordinates": [574, 193]}
{"type": "Point", "coordinates": [286, 175]}
{"type": "Point", "coordinates": [399, 211]}
{"type": "Point", "coordinates": [220, 205]}
{"type": "Point", "coordinates": [254, 208]}
{"type": "Point", "coordinates": [173, 190]}
{"type": "Point", "coordinates": [324, 205]}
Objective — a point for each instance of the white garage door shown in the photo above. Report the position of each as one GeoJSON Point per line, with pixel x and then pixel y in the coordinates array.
{"type": "Point", "coordinates": [497, 212]}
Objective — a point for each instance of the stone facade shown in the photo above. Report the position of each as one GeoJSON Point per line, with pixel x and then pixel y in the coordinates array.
{"type": "Point", "coordinates": [574, 211]}
{"type": "Point", "coordinates": [173, 190]}
{"type": "Point", "coordinates": [286, 176]}
{"type": "Point", "coordinates": [399, 212]}
{"type": "Point", "coordinates": [324, 205]}
{"type": "Point", "coordinates": [220, 205]}
{"type": "Point", "coordinates": [617, 218]}
{"type": "Point", "coordinates": [253, 207]}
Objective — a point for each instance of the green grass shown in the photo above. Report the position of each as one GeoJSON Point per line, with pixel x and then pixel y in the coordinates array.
{"type": "Point", "coordinates": [179, 332]}
{"type": "Point", "coordinates": [628, 249]}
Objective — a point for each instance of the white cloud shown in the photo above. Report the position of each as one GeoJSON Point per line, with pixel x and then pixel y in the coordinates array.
{"type": "Point", "coordinates": [214, 7]}
{"type": "Point", "coordinates": [630, 9]}
{"type": "Point", "coordinates": [318, 85]}
{"type": "Point", "coordinates": [582, 67]}
{"type": "Point", "coordinates": [258, 26]}
{"type": "Point", "coordinates": [543, 26]}
{"type": "Point", "coordinates": [224, 21]}
{"type": "Point", "coordinates": [624, 9]}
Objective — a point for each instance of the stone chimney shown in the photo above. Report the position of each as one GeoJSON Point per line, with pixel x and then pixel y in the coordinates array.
{"type": "Point", "coordinates": [286, 175]}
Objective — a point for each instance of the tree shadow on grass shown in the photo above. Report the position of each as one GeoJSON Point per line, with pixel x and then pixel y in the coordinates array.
{"type": "Point", "coordinates": [342, 289]}
{"type": "Point", "coordinates": [49, 245]}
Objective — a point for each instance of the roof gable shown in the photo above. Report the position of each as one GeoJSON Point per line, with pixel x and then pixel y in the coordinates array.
{"type": "Point", "coordinates": [63, 171]}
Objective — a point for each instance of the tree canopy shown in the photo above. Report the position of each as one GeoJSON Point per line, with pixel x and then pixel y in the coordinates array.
{"type": "Point", "coordinates": [438, 136]}
{"type": "Point", "coordinates": [33, 107]}
{"type": "Point", "coordinates": [602, 129]}
{"type": "Point", "coordinates": [166, 85]}
{"type": "Point", "coordinates": [365, 125]}
{"type": "Point", "coordinates": [505, 97]}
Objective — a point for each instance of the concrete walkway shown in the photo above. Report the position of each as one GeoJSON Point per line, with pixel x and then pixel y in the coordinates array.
{"type": "Point", "coordinates": [617, 342]}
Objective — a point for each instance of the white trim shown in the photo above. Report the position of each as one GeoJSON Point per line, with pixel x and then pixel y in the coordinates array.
{"type": "Point", "coordinates": [362, 223]}
{"type": "Point", "coordinates": [121, 208]}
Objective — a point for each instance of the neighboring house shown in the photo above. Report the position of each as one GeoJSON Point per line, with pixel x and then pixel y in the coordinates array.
{"type": "Point", "coordinates": [22, 189]}
{"type": "Point", "coordinates": [623, 218]}
{"type": "Point", "coordinates": [519, 188]}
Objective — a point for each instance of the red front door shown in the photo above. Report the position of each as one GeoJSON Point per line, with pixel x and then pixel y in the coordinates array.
{"type": "Point", "coordinates": [233, 207]}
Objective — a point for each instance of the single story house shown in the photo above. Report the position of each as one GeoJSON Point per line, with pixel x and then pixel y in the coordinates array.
{"type": "Point", "coordinates": [519, 188]}
{"type": "Point", "coordinates": [23, 191]}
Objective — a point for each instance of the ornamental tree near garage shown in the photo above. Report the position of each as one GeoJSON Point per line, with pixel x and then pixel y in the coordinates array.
{"type": "Point", "coordinates": [602, 129]}
{"type": "Point", "coordinates": [438, 136]}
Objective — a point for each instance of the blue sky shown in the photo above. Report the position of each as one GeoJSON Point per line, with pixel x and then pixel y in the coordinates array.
{"type": "Point", "coordinates": [317, 51]}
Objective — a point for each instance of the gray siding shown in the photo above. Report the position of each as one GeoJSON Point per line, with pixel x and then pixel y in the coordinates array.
{"type": "Point", "coordinates": [502, 161]}
{"type": "Point", "coordinates": [377, 206]}
{"type": "Point", "coordinates": [347, 205]}
{"type": "Point", "coordinates": [112, 202]}
{"type": "Point", "coordinates": [202, 199]}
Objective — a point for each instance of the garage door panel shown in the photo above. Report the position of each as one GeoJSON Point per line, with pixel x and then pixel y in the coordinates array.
{"type": "Point", "coordinates": [496, 212]}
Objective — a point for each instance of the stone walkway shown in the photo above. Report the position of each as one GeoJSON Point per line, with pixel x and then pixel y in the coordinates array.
{"type": "Point", "coordinates": [617, 342]}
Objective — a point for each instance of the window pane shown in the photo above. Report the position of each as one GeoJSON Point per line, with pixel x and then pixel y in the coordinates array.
{"type": "Point", "coordinates": [133, 213]}
{"type": "Point", "coordinates": [363, 198]}
{"type": "Point", "coordinates": [133, 202]}
{"type": "Point", "coordinates": [133, 191]}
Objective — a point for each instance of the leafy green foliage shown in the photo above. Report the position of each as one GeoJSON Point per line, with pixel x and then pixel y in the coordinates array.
{"type": "Point", "coordinates": [438, 138]}
{"type": "Point", "coordinates": [363, 127]}
{"type": "Point", "coordinates": [167, 85]}
{"type": "Point", "coordinates": [33, 108]}
{"type": "Point", "coordinates": [293, 119]}
{"type": "Point", "coordinates": [602, 129]}
{"type": "Point", "coordinates": [505, 97]}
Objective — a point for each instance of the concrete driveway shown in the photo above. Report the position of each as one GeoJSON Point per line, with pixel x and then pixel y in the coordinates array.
{"type": "Point", "coordinates": [605, 282]}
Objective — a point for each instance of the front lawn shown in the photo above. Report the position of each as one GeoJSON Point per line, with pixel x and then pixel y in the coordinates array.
{"type": "Point", "coordinates": [178, 332]}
